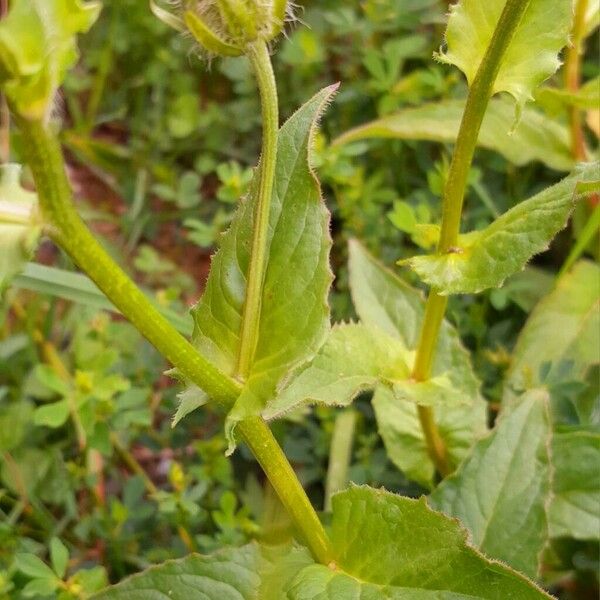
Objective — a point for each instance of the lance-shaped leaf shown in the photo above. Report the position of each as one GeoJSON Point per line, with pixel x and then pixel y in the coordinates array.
{"type": "Point", "coordinates": [575, 508]}
{"type": "Point", "coordinates": [484, 259]}
{"type": "Point", "coordinates": [536, 137]}
{"type": "Point", "coordinates": [37, 47]}
{"type": "Point", "coordinates": [501, 490]}
{"type": "Point", "coordinates": [386, 548]}
{"type": "Point", "coordinates": [294, 317]}
{"type": "Point", "coordinates": [532, 55]}
{"type": "Point", "coordinates": [384, 300]}
{"type": "Point", "coordinates": [575, 305]}
{"type": "Point", "coordinates": [19, 224]}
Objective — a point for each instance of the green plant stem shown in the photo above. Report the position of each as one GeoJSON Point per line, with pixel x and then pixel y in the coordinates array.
{"type": "Point", "coordinates": [68, 230]}
{"type": "Point", "coordinates": [479, 96]}
{"type": "Point", "coordinates": [340, 454]}
{"type": "Point", "coordinates": [258, 54]}
{"type": "Point", "coordinates": [4, 112]}
{"type": "Point", "coordinates": [573, 78]}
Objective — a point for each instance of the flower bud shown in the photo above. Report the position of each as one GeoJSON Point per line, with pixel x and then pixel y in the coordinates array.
{"type": "Point", "coordinates": [227, 27]}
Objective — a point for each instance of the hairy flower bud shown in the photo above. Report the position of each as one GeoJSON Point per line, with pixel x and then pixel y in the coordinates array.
{"type": "Point", "coordinates": [227, 27]}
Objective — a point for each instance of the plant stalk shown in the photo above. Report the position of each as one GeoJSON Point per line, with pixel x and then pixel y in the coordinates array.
{"type": "Point", "coordinates": [68, 230]}
{"type": "Point", "coordinates": [258, 54]}
{"type": "Point", "coordinates": [4, 112]}
{"type": "Point", "coordinates": [478, 98]}
{"type": "Point", "coordinates": [340, 454]}
{"type": "Point", "coordinates": [573, 79]}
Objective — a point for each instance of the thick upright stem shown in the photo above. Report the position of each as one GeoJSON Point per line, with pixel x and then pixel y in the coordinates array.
{"type": "Point", "coordinates": [261, 63]}
{"type": "Point", "coordinates": [4, 112]}
{"type": "Point", "coordinates": [68, 230]}
{"type": "Point", "coordinates": [477, 101]}
{"type": "Point", "coordinates": [573, 78]}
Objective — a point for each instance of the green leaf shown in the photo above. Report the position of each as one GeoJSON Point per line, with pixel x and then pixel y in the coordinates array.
{"type": "Point", "coordinates": [536, 137]}
{"type": "Point", "coordinates": [37, 47]}
{"type": "Point", "coordinates": [248, 573]}
{"type": "Point", "coordinates": [52, 415]}
{"type": "Point", "coordinates": [19, 226]}
{"type": "Point", "coordinates": [14, 422]}
{"type": "Point", "coordinates": [575, 305]}
{"type": "Point", "coordinates": [294, 310]}
{"type": "Point", "coordinates": [40, 587]}
{"type": "Point", "coordinates": [190, 399]}
{"type": "Point", "coordinates": [33, 567]}
{"type": "Point", "coordinates": [399, 426]}
{"type": "Point", "coordinates": [76, 287]}
{"type": "Point", "coordinates": [59, 556]}
{"type": "Point", "coordinates": [501, 490]}
{"type": "Point", "coordinates": [390, 540]}
{"type": "Point", "coordinates": [484, 259]}
{"type": "Point", "coordinates": [386, 546]}
{"type": "Point", "coordinates": [353, 360]}
{"type": "Point", "coordinates": [530, 57]}
{"type": "Point", "coordinates": [384, 300]}
{"type": "Point", "coordinates": [575, 508]}
{"type": "Point", "coordinates": [318, 582]}
{"type": "Point", "coordinates": [587, 97]}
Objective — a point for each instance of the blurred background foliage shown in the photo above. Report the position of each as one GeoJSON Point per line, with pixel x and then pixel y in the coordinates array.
{"type": "Point", "coordinates": [161, 145]}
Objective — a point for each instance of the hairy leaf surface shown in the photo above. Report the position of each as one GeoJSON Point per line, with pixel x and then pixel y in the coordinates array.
{"type": "Point", "coordinates": [384, 300]}
{"type": "Point", "coordinates": [356, 358]}
{"type": "Point", "coordinates": [536, 137]}
{"type": "Point", "coordinates": [17, 241]}
{"type": "Point", "coordinates": [532, 55]}
{"type": "Point", "coordinates": [386, 546]}
{"type": "Point", "coordinates": [391, 540]}
{"type": "Point", "coordinates": [294, 311]}
{"type": "Point", "coordinates": [501, 490]}
{"type": "Point", "coordinates": [37, 47]}
{"type": "Point", "coordinates": [484, 259]}
{"type": "Point", "coordinates": [575, 508]}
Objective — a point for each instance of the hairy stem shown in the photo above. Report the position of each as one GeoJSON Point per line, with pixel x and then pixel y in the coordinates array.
{"type": "Point", "coordinates": [263, 70]}
{"type": "Point", "coordinates": [68, 230]}
{"type": "Point", "coordinates": [573, 78]}
{"type": "Point", "coordinates": [4, 112]}
{"type": "Point", "coordinates": [340, 454]}
{"type": "Point", "coordinates": [479, 96]}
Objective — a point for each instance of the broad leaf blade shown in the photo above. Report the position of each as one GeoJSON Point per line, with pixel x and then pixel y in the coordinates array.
{"type": "Point", "coordinates": [575, 305]}
{"type": "Point", "coordinates": [17, 240]}
{"type": "Point", "coordinates": [294, 313]}
{"type": "Point", "coordinates": [484, 259]}
{"type": "Point", "coordinates": [383, 300]}
{"type": "Point", "coordinates": [531, 57]}
{"type": "Point", "coordinates": [389, 540]}
{"type": "Point", "coordinates": [501, 490]}
{"type": "Point", "coordinates": [37, 47]}
{"type": "Point", "coordinates": [575, 508]}
{"type": "Point", "coordinates": [536, 137]}
{"type": "Point", "coordinates": [247, 573]}
{"type": "Point", "coordinates": [399, 426]}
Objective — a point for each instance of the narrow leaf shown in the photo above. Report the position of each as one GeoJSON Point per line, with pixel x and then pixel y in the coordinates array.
{"type": "Point", "coordinates": [536, 137]}
{"type": "Point", "coordinates": [575, 508]}
{"type": "Point", "coordinates": [501, 490]}
{"type": "Point", "coordinates": [531, 57]}
{"type": "Point", "coordinates": [484, 259]}
{"type": "Point", "coordinates": [294, 312]}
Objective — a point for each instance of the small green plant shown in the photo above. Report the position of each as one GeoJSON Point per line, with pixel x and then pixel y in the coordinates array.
{"type": "Point", "coordinates": [263, 345]}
